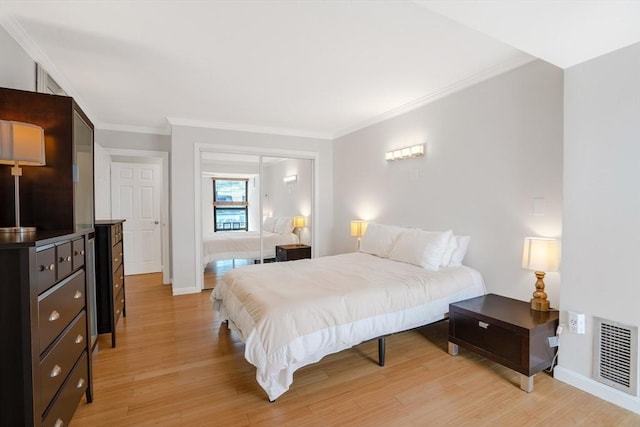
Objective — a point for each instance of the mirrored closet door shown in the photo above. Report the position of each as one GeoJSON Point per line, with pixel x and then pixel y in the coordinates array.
{"type": "Point", "coordinates": [255, 209]}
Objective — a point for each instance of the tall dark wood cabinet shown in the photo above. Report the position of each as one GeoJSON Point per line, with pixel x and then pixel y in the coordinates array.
{"type": "Point", "coordinates": [59, 195]}
{"type": "Point", "coordinates": [45, 360]}
{"type": "Point", "coordinates": [47, 278]}
{"type": "Point", "coordinates": [110, 286]}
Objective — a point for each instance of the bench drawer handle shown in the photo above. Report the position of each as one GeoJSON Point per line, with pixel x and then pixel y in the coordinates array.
{"type": "Point", "coordinates": [483, 325]}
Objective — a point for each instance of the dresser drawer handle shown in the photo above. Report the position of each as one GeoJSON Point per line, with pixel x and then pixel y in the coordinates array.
{"type": "Point", "coordinates": [79, 339]}
{"type": "Point", "coordinates": [57, 370]}
{"type": "Point", "coordinates": [54, 316]}
{"type": "Point", "coordinates": [115, 260]}
{"type": "Point", "coordinates": [63, 259]}
{"type": "Point", "coordinates": [59, 423]}
{"type": "Point", "coordinates": [77, 295]}
{"type": "Point", "coordinates": [76, 253]}
{"type": "Point", "coordinates": [121, 277]}
{"type": "Point", "coordinates": [80, 383]}
{"type": "Point", "coordinates": [50, 267]}
{"type": "Point", "coordinates": [483, 325]}
{"type": "Point", "coordinates": [117, 286]}
{"type": "Point", "coordinates": [122, 300]}
{"type": "Point", "coordinates": [118, 311]}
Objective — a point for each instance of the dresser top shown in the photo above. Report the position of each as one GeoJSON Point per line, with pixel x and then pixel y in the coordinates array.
{"type": "Point", "coordinates": [109, 221]}
{"type": "Point", "coordinates": [38, 238]}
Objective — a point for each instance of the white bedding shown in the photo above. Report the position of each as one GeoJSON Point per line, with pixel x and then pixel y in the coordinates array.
{"type": "Point", "coordinates": [242, 245]}
{"type": "Point", "coordinates": [292, 314]}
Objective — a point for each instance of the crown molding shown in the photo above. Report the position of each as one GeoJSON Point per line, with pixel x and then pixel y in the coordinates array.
{"type": "Point", "coordinates": [177, 121]}
{"type": "Point", "coordinates": [17, 31]}
{"type": "Point", "coordinates": [518, 60]}
{"type": "Point", "coordinates": [134, 129]}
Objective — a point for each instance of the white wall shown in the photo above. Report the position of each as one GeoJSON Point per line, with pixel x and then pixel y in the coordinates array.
{"type": "Point", "coordinates": [601, 245]}
{"type": "Point", "coordinates": [490, 150]}
{"type": "Point", "coordinates": [102, 177]}
{"type": "Point", "coordinates": [290, 199]}
{"type": "Point", "coordinates": [185, 141]}
{"type": "Point", "coordinates": [17, 69]}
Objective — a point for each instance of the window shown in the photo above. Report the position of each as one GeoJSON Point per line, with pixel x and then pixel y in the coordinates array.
{"type": "Point", "coordinates": [230, 203]}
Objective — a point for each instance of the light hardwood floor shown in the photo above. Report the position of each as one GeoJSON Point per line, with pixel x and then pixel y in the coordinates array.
{"type": "Point", "coordinates": [175, 365]}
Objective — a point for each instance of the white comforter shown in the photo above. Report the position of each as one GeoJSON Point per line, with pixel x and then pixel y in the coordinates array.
{"type": "Point", "coordinates": [242, 245]}
{"type": "Point", "coordinates": [292, 314]}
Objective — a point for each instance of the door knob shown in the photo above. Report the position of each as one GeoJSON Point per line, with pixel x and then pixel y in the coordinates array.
{"type": "Point", "coordinates": [156, 222]}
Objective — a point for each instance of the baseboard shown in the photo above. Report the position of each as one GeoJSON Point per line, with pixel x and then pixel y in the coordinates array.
{"type": "Point", "coordinates": [185, 291]}
{"type": "Point", "coordinates": [632, 403]}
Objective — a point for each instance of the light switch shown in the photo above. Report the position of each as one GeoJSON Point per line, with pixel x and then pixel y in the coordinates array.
{"type": "Point", "coordinates": [538, 206]}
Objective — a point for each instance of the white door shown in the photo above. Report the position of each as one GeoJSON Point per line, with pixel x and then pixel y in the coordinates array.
{"type": "Point", "coordinates": [136, 190]}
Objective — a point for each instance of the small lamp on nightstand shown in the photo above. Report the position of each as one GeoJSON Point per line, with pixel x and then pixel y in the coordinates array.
{"type": "Point", "coordinates": [541, 255]}
{"type": "Point", "coordinates": [358, 227]}
{"type": "Point", "coordinates": [298, 223]}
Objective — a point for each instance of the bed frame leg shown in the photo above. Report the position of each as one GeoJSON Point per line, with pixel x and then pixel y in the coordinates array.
{"type": "Point", "coordinates": [381, 348]}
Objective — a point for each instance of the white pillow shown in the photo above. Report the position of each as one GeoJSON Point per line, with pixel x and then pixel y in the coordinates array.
{"type": "Point", "coordinates": [379, 239]}
{"type": "Point", "coordinates": [284, 225]}
{"type": "Point", "coordinates": [422, 248]}
{"type": "Point", "coordinates": [268, 224]}
{"type": "Point", "coordinates": [460, 251]}
{"type": "Point", "coordinates": [448, 251]}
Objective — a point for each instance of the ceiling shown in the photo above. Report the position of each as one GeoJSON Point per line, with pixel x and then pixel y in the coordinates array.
{"type": "Point", "coordinates": [308, 68]}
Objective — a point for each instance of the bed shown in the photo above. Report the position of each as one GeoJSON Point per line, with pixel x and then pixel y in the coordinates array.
{"type": "Point", "coordinates": [292, 314]}
{"type": "Point", "coordinates": [224, 245]}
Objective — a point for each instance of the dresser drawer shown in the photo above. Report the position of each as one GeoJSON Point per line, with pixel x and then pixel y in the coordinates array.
{"type": "Point", "coordinates": [116, 233]}
{"type": "Point", "coordinates": [118, 280]}
{"type": "Point", "coordinates": [57, 364]}
{"type": "Point", "coordinates": [117, 256]}
{"type": "Point", "coordinates": [498, 341]}
{"type": "Point", "coordinates": [63, 260]}
{"type": "Point", "coordinates": [58, 306]}
{"type": "Point", "coordinates": [118, 306]}
{"type": "Point", "coordinates": [61, 412]}
{"type": "Point", "coordinates": [46, 267]}
{"type": "Point", "coordinates": [77, 249]}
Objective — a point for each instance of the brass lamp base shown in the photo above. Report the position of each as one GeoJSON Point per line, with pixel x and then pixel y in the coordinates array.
{"type": "Point", "coordinates": [17, 229]}
{"type": "Point", "coordinates": [539, 302]}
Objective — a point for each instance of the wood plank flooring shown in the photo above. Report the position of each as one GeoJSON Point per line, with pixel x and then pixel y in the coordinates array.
{"type": "Point", "coordinates": [175, 365]}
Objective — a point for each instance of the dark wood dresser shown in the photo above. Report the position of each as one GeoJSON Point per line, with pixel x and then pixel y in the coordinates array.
{"type": "Point", "coordinates": [45, 362]}
{"type": "Point", "coordinates": [110, 292]}
{"type": "Point", "coordinates": [292, 252]}
{"type": "Point", "coordinates": [506, 331]}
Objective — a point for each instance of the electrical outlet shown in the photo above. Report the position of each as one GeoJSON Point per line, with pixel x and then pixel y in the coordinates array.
{"type": "Point", "coordinates": [577, 323]}
{"type": "Point", "coordinates": [573, 322]}
{"type": "Point", "coordinates": [553, 341]}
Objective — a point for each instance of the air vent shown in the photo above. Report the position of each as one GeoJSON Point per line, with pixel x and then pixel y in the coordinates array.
{"type": "Point", "coordinates": [616, 361]}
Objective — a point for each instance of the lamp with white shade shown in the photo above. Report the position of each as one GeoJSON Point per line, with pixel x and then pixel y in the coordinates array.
{"type": "Point", "coordinates": [21, 144]}
{"type": "Point", "coordinates": [541, 255]}
{"type": "Point", "coordinates": [358, 228]}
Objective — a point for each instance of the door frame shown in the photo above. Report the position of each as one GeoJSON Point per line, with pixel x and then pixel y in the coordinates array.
{"type": "Point", "coordinates": [164, 204]}
{"type": "Point", "coordinates": [199, 148]}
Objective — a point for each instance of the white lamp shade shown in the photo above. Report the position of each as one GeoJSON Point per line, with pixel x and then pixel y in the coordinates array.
{"type": "Point", "coordinates": [358, 228]}
{"type": "Point", "coordinates": [298, 221]}
{"type": "Point", "coordinates": [22, 143]}
{"type": "Point", "coordinates": [541, 254]}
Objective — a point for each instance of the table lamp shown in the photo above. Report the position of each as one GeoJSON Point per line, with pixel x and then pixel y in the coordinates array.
{"type": "Point", "coordinates": [540, 255]}
{"type": "Point", "coordinates": [21, 144]}
{"type": "Point", "coordinates": [358, 228]}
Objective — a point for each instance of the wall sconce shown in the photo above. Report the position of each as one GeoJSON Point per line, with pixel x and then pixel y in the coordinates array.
{"type": "Point", "coordinates": [540, 254]}
{"type": "Point", "coordinates": [358, 228]}
{"type": "Point", "coordinates": [20, 144]}
{"type": "Point", "coordinates": [289, 179]}
{"type": "Point", "coordinates": [405, 153]}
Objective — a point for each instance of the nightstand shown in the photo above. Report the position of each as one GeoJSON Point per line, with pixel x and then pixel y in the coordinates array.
{"type": "Point", "coordinates": [292, 252]}
{"type": "Point", "coordinates": [506, 331]}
